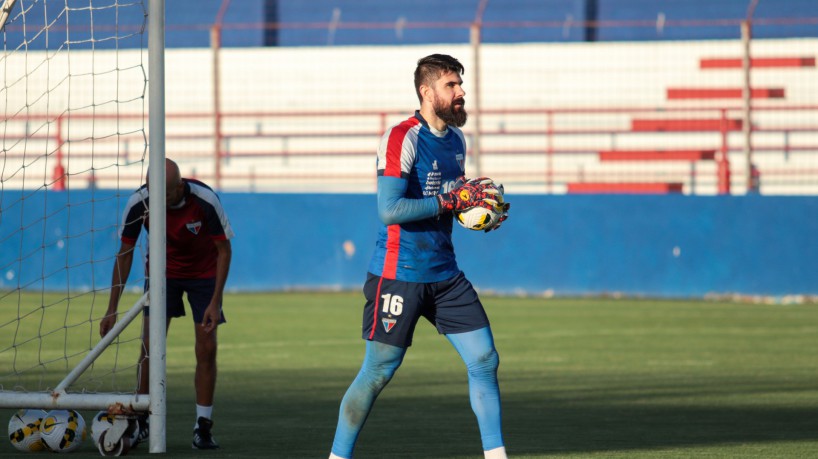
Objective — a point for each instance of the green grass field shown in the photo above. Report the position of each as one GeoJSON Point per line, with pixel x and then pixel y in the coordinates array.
{"type": "Point", "coordinates": [579, 378]}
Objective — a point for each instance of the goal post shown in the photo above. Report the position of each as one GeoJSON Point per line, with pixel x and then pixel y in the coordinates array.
{"type": "Point", "coordinates": [158, 286]}
{"type": "Point", "coordinates": [81, 120]}
{"type": "Point", "coordinates": [5, 11]}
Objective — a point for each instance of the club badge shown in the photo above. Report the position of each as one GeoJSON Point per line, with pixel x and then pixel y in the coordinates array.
{"type": "Point", "coordinates": [388, 324]}
{"type": "Point", "coordinates": [194, 227]}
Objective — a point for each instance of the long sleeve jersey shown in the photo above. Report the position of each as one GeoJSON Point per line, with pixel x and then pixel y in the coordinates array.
{"type": "Point", "coordinates": [416, 163]}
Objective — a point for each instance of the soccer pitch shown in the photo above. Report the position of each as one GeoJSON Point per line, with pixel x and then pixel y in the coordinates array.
{"type": "Point", "coordinates": [590, 377]}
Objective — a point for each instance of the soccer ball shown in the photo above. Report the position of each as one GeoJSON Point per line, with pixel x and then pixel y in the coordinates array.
{"type": "Point", "coordinates": [63, 431]}
{"type": "Point", "coordinates": [102, 423]}
{"type": "Point", "coordinates": [24, 430]}
{"type": "Point", "coordinates": [479, 218]}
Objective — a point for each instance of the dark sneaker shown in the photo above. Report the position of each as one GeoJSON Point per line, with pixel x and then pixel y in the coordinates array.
{"type": "Point", "coordinates": [202, 437]}
{"type": "Point", "coordinates": [144, 431]}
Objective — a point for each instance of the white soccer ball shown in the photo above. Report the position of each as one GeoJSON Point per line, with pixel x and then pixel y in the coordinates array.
{"type": "Point", "coordinates": [479, 218]}
{"type": "Point", "coordinates": [102, 423]}
{"type": "Point", "coordinates": [24, 430]}
{"type": "Point", "coordinates": [63, 431]}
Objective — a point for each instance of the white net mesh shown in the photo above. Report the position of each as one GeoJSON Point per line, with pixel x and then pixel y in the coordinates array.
{"type": "Point", "coordinates": [73, 87]}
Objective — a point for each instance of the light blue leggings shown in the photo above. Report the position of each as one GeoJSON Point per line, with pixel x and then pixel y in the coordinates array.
{"type": "Point", "coordinates": [476, 348]}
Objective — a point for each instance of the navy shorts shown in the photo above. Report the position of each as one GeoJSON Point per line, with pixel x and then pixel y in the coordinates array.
{"type": "Point", "coordinates": [393, 308]}
{"type": "Point", "coordinates": [199, 292]}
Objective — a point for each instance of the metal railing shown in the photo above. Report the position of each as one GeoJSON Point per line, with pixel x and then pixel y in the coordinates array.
{"type": "Point", "coordinates": [544, 151]}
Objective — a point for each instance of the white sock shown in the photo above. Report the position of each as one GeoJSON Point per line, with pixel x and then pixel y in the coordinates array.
{"type": "Point", "coordinates": [333, 456]}
{"type": "Point", "coordinates": [202, 412]}
{"type": "Point", "coordinates": [496, 453]}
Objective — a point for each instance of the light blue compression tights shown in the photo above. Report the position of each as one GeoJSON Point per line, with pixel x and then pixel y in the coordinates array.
{"type": "Point", "coordinates": [476, 348]}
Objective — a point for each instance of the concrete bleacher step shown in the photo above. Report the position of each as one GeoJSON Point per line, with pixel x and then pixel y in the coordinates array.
{"type": "Point", "coordinates": [657, 155]}
{"type": "Point", "coordinates": [684, 124]}
{"type": "Point", "coordinates": [624, 188]}
{"type": "Point", "coordinates": [757, 62]}
{"type": "Point", "coordinates": [723, 93]}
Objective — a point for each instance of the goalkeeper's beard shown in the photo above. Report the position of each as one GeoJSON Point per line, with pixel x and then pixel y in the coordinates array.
{"type": "Point", "coordinates": [455, 114]}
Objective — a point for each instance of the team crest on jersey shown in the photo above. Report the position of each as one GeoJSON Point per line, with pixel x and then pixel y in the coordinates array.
{"type": "Point", "coordinates": [388, 324]}
{"type": "Point", "coordinates": [194, 227]}
{"type": "Point", "coordinates": [461, 161]}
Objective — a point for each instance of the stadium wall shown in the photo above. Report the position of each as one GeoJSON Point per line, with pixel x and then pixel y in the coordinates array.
{"type": "Point", "coordinates": [291, 113]}
{"type": "Point", "coordinates": [659, 246]}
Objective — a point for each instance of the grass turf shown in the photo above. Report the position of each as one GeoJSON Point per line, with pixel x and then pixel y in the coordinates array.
{"type": "Point", "coordinates": [579, 378]}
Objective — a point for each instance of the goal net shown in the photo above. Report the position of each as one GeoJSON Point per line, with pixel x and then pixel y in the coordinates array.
{"type": "Point", "coordinates": [74, 133]}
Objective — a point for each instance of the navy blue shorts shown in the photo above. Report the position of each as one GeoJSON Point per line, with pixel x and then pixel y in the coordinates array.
{"type": "Point", "coordinates": [393, 308]}
{"type": "Point", "coordinates": [199, 292]}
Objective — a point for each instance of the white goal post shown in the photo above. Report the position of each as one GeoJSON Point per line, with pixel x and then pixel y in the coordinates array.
{"type": "Point", "coordinates": [5, 11]}
{"type": "Point", "coordinates": [81, 118]}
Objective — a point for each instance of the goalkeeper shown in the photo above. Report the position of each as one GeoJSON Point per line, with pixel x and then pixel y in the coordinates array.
{"type": "Point", "coordinates": [413, 271]}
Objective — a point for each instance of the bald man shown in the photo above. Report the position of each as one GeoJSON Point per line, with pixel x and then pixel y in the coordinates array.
{"type": "Point", "coordinates": [198, 260]}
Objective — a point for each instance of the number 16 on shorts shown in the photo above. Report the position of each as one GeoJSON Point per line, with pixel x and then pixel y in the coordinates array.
{"type": "Point", "coordinates": [392, 306]}
{"type": "Point", "coordinates": [392, 310]}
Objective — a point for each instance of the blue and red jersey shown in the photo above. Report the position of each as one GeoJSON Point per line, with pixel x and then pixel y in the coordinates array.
{"type": "Point", "coordinates": [430, 162]}
{"type": "Point", "coordinates": [192, 226]}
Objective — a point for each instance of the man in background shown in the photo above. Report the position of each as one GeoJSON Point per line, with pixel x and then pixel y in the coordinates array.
{"type": "Point", "coordinates": [198, 261]}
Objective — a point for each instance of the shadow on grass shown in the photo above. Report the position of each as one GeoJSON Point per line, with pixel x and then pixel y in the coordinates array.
{"type": "Point", "coordinates": [292, 414]}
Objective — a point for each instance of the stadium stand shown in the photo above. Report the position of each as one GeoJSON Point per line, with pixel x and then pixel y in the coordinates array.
{"type": "Point", "coordinates": [303, 115]}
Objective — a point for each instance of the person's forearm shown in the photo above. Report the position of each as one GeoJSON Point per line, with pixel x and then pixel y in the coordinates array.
{"type": "Point", "coordinates": [122, 269]}
{"type": "Point", "coordinates": [222, 270]}
{"type": "Point", "coordinates": [395, 208]}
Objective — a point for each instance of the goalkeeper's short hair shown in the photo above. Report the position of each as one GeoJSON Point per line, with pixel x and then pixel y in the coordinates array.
{"type": "Point", "coordinates": [431, 67]}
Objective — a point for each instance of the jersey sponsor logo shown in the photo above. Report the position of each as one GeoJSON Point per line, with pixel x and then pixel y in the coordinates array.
{"type": "Point", "coordinates": [388, 324]}
{"type": "Point", "coordinates": [433, 181]}
{"type": "Point", "coordinates": [194, 227]}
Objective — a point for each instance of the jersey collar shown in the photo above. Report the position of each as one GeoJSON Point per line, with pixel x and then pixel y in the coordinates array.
{"type": "Point", "coordinates": [421, 119]}
{"type": "Point", "coordinates": [431, 129]}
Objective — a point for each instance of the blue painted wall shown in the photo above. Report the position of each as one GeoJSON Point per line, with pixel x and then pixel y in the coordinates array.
{"type": "Point", "coordinates": [667, 246]}
{"type": "Point", "coordinates": [654, 245]}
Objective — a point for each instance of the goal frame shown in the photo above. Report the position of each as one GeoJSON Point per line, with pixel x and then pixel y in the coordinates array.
{"type": "Point", "coordinates": [155, 402]}
{"type": "Point", "coordinates": [158, 237]}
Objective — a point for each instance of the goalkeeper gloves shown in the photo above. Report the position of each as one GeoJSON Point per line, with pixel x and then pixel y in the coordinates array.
{"type": "Point", "coordinates": [499, 205]}
{"type": "Point", "coordinates": [475, 192]}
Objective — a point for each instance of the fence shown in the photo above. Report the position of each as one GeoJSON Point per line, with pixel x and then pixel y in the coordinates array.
{"type": "Point", "coordinates": [554, 155]}
{"type": "Point", "coordinates": [693, 117]}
